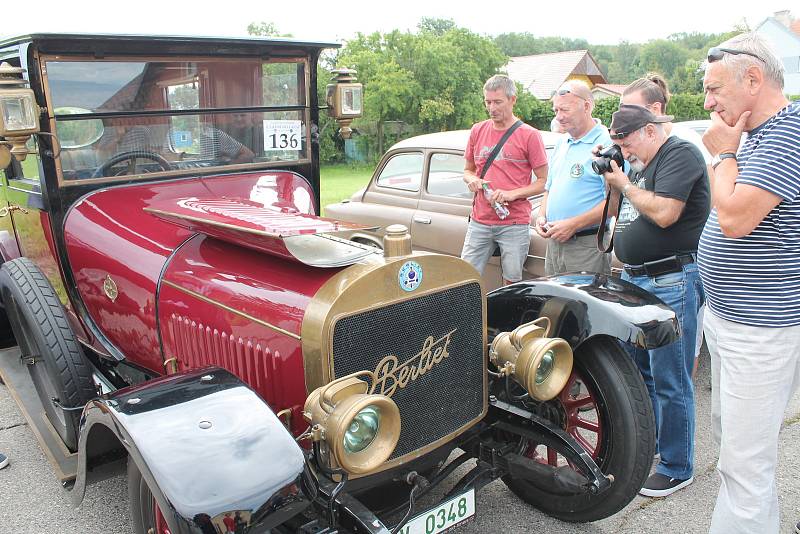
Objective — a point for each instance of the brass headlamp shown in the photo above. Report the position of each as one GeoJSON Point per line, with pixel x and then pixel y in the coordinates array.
{"type": "Point", "coordinates": [360, 429]}
{"type": "Point", "coordinates": [540, 364]}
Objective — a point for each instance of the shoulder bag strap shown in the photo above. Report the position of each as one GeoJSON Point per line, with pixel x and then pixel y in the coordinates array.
{"type": "Point", "coordinates": [498, 146]}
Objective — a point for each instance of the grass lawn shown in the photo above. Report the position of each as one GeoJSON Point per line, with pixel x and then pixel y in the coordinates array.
{"type": "Point", "coordinates": [341, 181]}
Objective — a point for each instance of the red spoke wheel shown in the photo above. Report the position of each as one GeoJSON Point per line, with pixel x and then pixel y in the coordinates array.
{"type": "Point", "coordinates": [577, 413]}
{"type": "Point", "coordinates": [605, 407]}
{"type": "Point", "coordinates": [145, 514]}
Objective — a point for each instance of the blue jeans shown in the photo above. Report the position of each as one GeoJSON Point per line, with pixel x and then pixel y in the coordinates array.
{"type": "Point", "coordinates": [667, 371]}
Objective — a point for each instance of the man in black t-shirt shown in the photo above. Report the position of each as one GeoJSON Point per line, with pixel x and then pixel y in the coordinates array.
{"type": "Point", "coordinates": [664, 206]}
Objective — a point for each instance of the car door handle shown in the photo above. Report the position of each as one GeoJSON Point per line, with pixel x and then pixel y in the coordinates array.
{"type": "Point", "coordinates": [422, 220]}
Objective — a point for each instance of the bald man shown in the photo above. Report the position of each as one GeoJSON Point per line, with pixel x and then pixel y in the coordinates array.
{"type": "Point", "coordinates": [572, 206]}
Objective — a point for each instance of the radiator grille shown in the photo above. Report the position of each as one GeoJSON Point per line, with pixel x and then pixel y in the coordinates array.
{"type": "Point", "coordinates": [448, 396]}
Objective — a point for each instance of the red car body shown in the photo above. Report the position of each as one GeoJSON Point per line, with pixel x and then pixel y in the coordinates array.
{"type": "Point", "coordinates": [176, 299]}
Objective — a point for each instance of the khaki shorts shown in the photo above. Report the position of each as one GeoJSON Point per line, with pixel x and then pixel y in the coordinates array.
{"type": "Point", "coordinates": [577, 254]}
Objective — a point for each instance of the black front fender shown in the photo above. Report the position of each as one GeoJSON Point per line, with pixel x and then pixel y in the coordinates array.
{"type": "Point", "coordinates": [581, 306]}
{"type": "Point", "coordinates": [205, 443]}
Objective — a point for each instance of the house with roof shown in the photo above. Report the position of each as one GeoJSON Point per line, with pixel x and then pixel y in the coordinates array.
{"type": "Point", "coordinates": [605, 90]}
{"type": "Point", "coordinates": [542, 74]}
{"type": "Point", "coordinates": [783, 31]}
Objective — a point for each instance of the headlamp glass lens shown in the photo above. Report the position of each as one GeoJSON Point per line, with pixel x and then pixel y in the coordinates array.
{"type": "Point", "coordinates": [363, 429]}
{"type": "Point", "coordinates": [545, 366]}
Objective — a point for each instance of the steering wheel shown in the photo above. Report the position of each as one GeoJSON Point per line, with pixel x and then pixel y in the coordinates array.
{"type": "Point", "coordinates": [132, 155]}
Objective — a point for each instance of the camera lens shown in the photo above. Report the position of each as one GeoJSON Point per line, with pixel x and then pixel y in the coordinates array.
{"type": "Point", "coordinates": [601, 166]}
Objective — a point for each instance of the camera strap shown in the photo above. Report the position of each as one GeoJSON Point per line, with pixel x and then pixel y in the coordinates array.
{"type": "Point", "coordinates": [498, 146]}
{"type": "Point", "coordinates": [608, 226]}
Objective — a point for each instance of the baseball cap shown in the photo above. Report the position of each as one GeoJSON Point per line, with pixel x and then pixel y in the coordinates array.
{"type": "Point", "coordinates": [631, 117]}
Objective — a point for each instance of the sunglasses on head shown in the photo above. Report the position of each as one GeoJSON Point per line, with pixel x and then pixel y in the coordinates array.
{"type": "Point", "coordinates": [562, 92]}
{"type": "Point", "coordinates": [716, 53]}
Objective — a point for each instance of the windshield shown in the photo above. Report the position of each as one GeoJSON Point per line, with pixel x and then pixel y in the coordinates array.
{"type": "Point", "coordinates": [121, 117]}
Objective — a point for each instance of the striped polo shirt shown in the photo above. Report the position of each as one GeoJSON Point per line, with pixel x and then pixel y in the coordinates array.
{"type": "Point", "coordinates": [755, 279]}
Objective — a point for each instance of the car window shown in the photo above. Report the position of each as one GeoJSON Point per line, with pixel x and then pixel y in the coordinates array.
{"type": "Point", "coordinates": [125, 116]}
{"type": "Point", "coordinates": [402, 171]}
{"type": "Point", "coordinates": [446, 176]}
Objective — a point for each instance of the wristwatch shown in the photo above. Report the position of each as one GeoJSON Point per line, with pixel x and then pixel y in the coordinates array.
{"type": "Point", "coordinates": [716, 160]}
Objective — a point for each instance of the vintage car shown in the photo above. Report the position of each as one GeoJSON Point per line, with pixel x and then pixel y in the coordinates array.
{"type": "Point", "coordinates": [177, 301]}
{"type": "Point", "coordinates": [419, 182]}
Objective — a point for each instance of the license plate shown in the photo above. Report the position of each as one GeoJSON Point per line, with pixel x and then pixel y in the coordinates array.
{"type": "Point", "coordinates": [443, 517]}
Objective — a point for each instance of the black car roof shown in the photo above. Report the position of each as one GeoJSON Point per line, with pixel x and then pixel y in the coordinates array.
{"type": "Point", "coordinates": [149, 44]}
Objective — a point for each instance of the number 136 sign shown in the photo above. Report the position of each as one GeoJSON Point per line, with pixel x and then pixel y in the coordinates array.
{"type": "Point", "coordinates": [282, 135]}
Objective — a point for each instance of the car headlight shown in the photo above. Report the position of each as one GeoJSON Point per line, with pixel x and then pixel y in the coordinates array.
{"type": "Point", "coordinates": [540, 364]}
{"type": "Point", "coordinates": [360, 430]}
{"type": "Point", "coordinates": [363, 429]}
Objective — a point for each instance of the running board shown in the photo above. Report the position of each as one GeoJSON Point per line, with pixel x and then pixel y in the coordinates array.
{"type": "Point", "coordinates": [15, 375]}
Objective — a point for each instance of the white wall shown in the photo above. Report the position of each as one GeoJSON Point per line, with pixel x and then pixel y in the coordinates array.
{"type": "Point", "coordinates": [787, 45]}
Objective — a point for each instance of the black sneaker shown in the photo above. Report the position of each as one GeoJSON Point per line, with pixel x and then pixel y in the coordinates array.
{"type": "Point", "coordinates": [658, 485]}
{"type": "Point", "coordinates": [797, 528]}
{"type": "Point", "coordinates": [3, 460]}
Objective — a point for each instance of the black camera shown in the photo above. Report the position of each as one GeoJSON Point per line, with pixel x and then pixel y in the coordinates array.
{"type": "Point", "coordinates": [602, 165]}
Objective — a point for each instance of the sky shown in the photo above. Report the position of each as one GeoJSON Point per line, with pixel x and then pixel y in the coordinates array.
{"type": "Point", "coordinates": [598, 22]}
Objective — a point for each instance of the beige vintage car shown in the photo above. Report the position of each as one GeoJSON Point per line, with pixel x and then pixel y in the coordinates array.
{"type": "Point", "coordinates": [418, 183]}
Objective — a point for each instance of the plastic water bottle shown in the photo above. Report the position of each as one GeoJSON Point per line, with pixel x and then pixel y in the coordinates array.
{"type": "Point", "coordinates": [499, 208]}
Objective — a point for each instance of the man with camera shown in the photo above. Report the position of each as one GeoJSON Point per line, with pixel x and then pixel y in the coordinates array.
{"type": "Point", "coordinates": [664, 206]}
{"type": "Point", "coordinates": [572, 205]}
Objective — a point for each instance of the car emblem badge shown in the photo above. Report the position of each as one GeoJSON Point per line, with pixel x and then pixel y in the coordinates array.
{"type": "Point", "coordinates": [110, 288]}
{"type": "Point", "coordinates": [410, 276]}
{"type": "Point", "coordinates": [576, 171]}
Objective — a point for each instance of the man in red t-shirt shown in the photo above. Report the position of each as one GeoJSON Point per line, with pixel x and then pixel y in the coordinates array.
{"type": "Point", "coordinates": [230, 524]}
{"type": "Point", "coordinates": [508, 181]}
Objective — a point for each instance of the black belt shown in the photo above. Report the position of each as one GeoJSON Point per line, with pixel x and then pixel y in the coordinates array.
{"type": "Point", "coordinates": [588, 231]}
{"type": "Point", "coordinates": [673, 264]}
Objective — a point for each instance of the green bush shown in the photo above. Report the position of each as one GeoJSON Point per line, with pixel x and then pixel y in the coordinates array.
{"type": "Point", "coordinates": [604, 108]}
{"type": "Point", "coordinates": [687, 107]}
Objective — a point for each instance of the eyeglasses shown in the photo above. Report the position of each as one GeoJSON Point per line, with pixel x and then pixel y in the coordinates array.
{"type": "Point", "coordinates": [562, 92]}
{"type": "Point", "coordinates": [716, 53]}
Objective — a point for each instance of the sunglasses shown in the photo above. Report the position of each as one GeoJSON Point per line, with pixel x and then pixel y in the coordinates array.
{"type": "Point", "coordinates": [562, 92]}
{"type": "Point", "coordinates": [716, 53]}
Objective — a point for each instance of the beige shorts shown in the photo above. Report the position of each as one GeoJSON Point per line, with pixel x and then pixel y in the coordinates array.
{"type": "Point", "coordinates": [576, 255]}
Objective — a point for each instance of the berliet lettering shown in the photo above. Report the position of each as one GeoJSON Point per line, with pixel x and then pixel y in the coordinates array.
{"type": "Point", "coordinates": [389, 375]}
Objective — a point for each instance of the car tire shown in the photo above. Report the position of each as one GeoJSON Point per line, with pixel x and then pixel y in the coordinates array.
{"type": "Point", "coordinates": [146, 516]}
{"type": "Point", "coordinates": [6, 334]}
{"type": "Point", "coordinates": [614, 389]}
{"type": "Point", "coordinates": [58, 369]}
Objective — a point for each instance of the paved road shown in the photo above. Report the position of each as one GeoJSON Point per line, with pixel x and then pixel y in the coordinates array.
{"type": "Point", "coordinates": [32, 501]}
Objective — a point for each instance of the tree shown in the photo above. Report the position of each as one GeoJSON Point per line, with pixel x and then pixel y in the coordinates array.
{"type": "Point", "coordinates": [435, 26]}
{"type": "Point", "coordinates": [431, 80]}
{"type": "Point", "coordinates": [526, 44]}
{"type": "Point", "coordinates": [663, 56]}
{"type": "Point", "coordinates": [388, 96]}
{"type": "Point", "coordinates": [265, 29]}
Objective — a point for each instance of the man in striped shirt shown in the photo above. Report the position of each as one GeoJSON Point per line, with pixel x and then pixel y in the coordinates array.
{"type": "Point", "coordinates": [749, 259]}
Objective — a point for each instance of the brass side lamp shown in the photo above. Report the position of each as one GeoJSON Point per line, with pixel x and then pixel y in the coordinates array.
{"type": "Point", "coordinates": [345, 98]}
{"type": "Point", "coordinates": [18, 113]}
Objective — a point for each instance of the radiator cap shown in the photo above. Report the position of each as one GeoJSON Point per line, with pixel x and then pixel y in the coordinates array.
{"type": "Point", "coordinates": [397, 241]}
